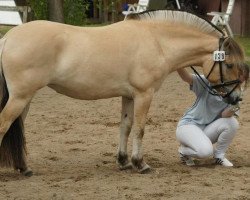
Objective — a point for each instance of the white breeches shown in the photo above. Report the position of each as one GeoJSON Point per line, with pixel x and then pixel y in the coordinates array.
{"type": "Point", "coordinates": [198, 143]}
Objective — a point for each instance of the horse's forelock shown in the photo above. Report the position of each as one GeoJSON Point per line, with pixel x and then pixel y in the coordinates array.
{"type": "Point", "coordinates": [237, 57]}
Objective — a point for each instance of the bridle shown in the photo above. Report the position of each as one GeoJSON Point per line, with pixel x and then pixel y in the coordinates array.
{"type": "Point", "coordinates": [219, 57]}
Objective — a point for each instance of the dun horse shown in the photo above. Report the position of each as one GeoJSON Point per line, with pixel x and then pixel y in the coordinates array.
{"type": "Point", "coordinates": [128, 59]}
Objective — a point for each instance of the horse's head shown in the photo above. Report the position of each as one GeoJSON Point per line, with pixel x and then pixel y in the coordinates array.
{"type": "Point", "coordinates": [226, 71]}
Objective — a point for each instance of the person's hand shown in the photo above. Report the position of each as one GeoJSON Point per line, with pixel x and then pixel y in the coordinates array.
{"type": "Point", "coordinates": [230, 111]}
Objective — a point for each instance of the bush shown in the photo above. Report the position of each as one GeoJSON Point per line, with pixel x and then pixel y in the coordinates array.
{"type": "Point", "coordinates": [39, 9]}
{"type": "Point", "coordinates": [74, 10]}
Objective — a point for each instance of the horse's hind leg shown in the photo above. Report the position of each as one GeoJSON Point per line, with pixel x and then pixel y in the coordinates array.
{"type": "Point", "coordinates": [13, 150]}
{"type": "Point", "coordinates": [125, 128]}
{"type": "Point", "coordinates": [26, 171]}
{"type": "Point", "coordinates": [142, 103]}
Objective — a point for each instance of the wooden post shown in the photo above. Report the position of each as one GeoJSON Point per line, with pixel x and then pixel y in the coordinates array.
{"type": "Point", "coordinates": [245, 18]}
{"type": "Point", "coordinates": [55, 8]}
{"type": "Point", "coordinates": [105, 10]}
{"type": "Point", "coordinates": [100, 10]}
{"type": "Point", "coordinates": [23, 9]}
{"type": "Point", "coordinates": [25, 14]}
{"type": "Point", "coordinates": [113, 12]}
{"type": "Point", "coordinates": [95, 9]}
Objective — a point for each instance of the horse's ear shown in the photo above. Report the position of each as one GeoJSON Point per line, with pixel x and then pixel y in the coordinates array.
{"type": "Point", "coordinates": [225, 44]}
{"type": "Point", "coordinates": [232, 48]}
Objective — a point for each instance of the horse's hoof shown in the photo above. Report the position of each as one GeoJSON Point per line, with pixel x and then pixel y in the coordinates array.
{"type": "Point", "coordinates": [126, 166]}
{"type": "Point", "coordinates": [145, 170]}
{"type": "Point", "coordinates": [28, 172]}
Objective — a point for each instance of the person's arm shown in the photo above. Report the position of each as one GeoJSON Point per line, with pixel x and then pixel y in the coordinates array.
{"type": "Point", "coordinates": [185, 76]}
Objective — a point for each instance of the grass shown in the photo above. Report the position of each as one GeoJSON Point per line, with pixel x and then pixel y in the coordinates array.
{"type": "Point", "coordinates": [4, 29]}
{"type": "Point", "coordinates": [245, 42]}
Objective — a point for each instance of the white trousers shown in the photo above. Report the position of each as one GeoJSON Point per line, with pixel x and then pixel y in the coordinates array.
{"type": "Point", "coordinates": [198, 143]}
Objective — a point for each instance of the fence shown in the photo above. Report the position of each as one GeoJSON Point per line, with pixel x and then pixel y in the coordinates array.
{"type": "Point", "coordinates": [21, 9]}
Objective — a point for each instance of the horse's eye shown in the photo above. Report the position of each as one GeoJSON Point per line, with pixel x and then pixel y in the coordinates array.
{"type": "Point", "coordinates": [229, 66]}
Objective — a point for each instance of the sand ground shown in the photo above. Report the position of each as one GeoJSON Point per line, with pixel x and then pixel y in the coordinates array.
{"type": "Point", "coordinates": [72, 149]}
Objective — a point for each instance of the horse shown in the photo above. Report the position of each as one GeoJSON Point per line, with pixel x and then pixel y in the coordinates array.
{"type": "Point", "coordinates": [130, 59]}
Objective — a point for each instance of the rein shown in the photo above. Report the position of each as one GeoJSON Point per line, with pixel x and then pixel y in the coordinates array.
{"type": "Point", "coordinates": [205, 85]}
{"type": "Point", "coordinates": [212, 89]}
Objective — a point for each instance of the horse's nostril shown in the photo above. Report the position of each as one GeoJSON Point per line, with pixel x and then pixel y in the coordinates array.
{"type": "Point", "coordinates": [234, 101]}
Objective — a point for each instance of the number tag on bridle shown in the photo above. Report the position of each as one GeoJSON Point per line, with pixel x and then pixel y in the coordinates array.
{"type": "Point", "coordinates": [219, 55]}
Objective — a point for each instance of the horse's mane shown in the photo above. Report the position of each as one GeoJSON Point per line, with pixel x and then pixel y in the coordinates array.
{"type": "Point", "coordinates": [178, 17]}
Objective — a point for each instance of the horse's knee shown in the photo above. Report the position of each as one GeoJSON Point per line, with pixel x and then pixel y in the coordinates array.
{"type": "Point", "coordinates": [4, 126]}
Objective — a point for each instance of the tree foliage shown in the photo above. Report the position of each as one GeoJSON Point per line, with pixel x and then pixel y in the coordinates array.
{"type": "Point", "coordinates": [74, 10]}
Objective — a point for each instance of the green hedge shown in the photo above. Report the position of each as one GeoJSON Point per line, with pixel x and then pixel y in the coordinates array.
{"type": "Point", "coordinates": [74, 10]}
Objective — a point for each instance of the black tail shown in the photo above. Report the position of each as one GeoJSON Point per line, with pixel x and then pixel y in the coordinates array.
{"type": "Point", "coordinates": [13, 147]}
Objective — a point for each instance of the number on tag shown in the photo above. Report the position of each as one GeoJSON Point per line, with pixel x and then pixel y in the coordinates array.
{"type": "Point", "coordinates": [219, 55]}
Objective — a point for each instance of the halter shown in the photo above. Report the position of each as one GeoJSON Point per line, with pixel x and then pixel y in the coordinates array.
{"type": "Point", "coordinates": [219, 57]}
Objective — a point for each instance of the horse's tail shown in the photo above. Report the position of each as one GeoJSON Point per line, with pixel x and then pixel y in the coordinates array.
{"type": "Point", "coordinates": [13, 146]}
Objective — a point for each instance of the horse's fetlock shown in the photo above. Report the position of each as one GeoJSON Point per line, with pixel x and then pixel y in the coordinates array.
{"type": "Point", "coordinates": [122, 158]}
{"type": "Point", "coordinates": [137, 162]}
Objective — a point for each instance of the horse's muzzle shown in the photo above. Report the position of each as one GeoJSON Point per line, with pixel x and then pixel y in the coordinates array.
{"type": "Point", "coordinates": [232, 100]}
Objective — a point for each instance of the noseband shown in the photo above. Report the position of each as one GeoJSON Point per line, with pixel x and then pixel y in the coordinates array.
{"type": "Point", "coordinates": [219, 57]}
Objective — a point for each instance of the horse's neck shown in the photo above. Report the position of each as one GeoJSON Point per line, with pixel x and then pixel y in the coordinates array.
{"type": "Point", "coordinates": [189, 47]}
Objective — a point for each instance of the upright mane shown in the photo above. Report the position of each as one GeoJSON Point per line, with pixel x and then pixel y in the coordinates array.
{"type": "Point", "coordinates": [178, 17]}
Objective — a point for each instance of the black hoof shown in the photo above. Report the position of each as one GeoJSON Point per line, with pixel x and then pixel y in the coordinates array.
{"type": "Point", "coordinates": [145, 170]}
{"type": "Point", "coordinates": [140, 165]}
{"type": "Point", "coordinates": [125, 167]}
{"type": "Point", "coordinates": [28, 172]}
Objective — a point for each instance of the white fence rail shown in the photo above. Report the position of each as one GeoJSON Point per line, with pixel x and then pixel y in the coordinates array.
{"type": "Point", "coordinates": [21, 9]}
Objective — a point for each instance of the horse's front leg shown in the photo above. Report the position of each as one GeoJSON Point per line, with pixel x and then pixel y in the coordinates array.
{"type": "Point", "coordinates": [142, 103]}
{"type": "Point", "coordinates": [125, 129]}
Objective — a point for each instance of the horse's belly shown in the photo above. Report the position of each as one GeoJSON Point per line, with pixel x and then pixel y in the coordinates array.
{"type": "Point", "coordinates": [90, 92]}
